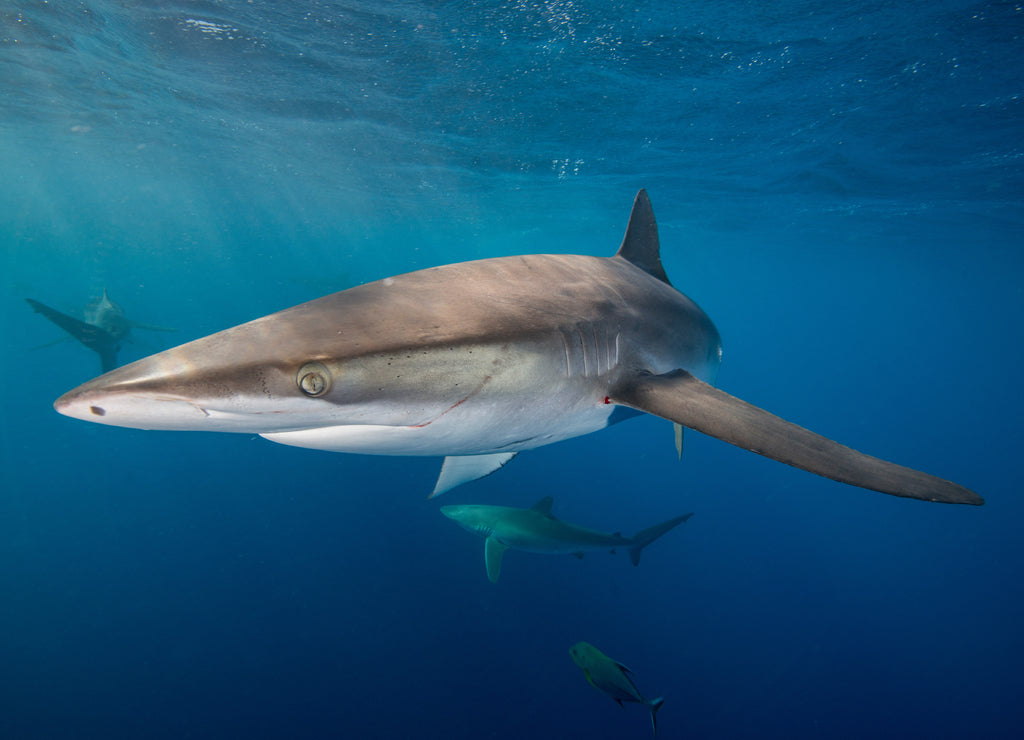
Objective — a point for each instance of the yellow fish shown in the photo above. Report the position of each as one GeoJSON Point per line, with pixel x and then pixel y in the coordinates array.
{"type": "Point", "coordinates": [612, 678]}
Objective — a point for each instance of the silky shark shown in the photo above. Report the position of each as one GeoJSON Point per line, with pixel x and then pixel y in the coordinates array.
{"type": "Point", "coordinates": [476, 361]}
{"type": "Point", "coordinates": [104, 329]}
{"type": "Point", "coordinates": [537, 530]}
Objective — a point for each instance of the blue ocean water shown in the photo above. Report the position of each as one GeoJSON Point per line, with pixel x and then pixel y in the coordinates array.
{"type": "Point", "coordinates": [838, 185]}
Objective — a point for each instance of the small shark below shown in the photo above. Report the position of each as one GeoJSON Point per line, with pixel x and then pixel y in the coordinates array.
{"type": "Point", "coordinates": [537, 530]}
{"type": "Point", "coordinates": [613, 678]}
{"type": "Point", "coordinates": [476, 362]}
{"type": "Point", "coordinates": [104, 329]}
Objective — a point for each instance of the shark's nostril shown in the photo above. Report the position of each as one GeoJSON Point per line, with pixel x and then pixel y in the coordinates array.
{"type": "Point", "coordinates": [98, 410]}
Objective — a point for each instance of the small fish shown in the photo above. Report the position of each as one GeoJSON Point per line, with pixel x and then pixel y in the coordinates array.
{"type": "Point", "coordinates": [612, 678]}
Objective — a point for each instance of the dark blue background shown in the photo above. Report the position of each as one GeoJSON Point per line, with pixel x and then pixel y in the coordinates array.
{"type": "Point", "coordinates": [838, 186]}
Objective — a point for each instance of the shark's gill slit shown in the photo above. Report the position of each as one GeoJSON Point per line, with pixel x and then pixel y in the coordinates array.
{"type": "Point", "coordinates": [583, 351]}
{"type": "Point", "coordinates": [568, 360]}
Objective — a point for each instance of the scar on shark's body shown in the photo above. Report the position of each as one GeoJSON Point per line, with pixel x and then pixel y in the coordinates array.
{"type": "Point", "coordinates": [508, 327]}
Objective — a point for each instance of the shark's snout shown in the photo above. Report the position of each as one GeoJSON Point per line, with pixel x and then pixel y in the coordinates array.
{"type": "Point", "coordinates": [71, 405]}
{"type": "Point", "coordinates": [130, 410]}
{"type": "Point", "coordinates": [81, 405]}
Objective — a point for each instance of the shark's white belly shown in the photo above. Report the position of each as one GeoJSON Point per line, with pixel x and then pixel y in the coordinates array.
{"type": "Point", "coordinates": [475, 429]}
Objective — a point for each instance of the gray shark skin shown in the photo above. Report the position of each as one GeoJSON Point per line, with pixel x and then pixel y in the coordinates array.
{"type": "Point", "coordinates": [476, 361]}
{"type": "Point", "coordinates": [537, 530]}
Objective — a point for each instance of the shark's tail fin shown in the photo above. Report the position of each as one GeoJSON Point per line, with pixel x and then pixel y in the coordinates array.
{"type": "Point", "coordinates": [647, 536]}
{"type": "Point", "coordinates": [654, 705]}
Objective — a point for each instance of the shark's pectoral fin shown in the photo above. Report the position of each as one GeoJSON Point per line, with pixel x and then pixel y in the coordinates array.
{"type": "Point", "coordinates": [458, 470]}
{"type": "Point", "coordinates": [493, 552]}
{"type": "Point", "coordinates": [682, 398]}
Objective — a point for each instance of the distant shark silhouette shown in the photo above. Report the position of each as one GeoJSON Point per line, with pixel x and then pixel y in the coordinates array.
{"type": "Point", "coordinates": [477, 361]}
{"type": "Point", "coordinates": [537, 530]}
{"type": "Point", "coordinates": [104, 329]}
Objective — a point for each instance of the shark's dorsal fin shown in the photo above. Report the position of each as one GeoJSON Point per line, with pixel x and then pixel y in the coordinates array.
{"type": "Point", "coordinates": [640, 245]}
{"type": "Point", "coordinates": [543, 506]}
{"type": "Point", "coordinates": [493, 552]}
{"type": "Point", "coordinates": [458, 470]}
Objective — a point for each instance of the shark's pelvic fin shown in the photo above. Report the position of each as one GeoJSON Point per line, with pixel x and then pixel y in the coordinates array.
{"type": "Point", "coordinates": [493, 552]}
{"type": "Point", "coordinates": [640, 246]}
{"type": "Point", "coordinates": [646, 536]}
{"type": "Point", "coordinates": [679, 439]}
{"type": "Point", "coordinates": [682, 398]}
{"type": "Point", "coordinates": [458, 470]}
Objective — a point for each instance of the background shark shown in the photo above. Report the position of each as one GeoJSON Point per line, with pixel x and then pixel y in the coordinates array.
{"type": "Point", "coordinates": [104, 329]}
{"type": "Point", "coordinates": [476, 361]}
{"type": "Point", "coordinates": [537, 530]}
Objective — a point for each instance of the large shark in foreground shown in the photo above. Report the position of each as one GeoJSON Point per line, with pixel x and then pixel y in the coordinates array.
{"type": "Point", "coordinates": [476, 361]}
{"type": "Point", "coordinates": [537, 530]}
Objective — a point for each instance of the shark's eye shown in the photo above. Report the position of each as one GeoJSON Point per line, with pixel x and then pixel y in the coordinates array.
{"type": "Point", "coordinates": [313, 379]}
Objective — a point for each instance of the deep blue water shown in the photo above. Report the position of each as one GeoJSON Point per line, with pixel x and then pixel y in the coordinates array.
{"type": "Point", "coordinates": [838, 185]}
